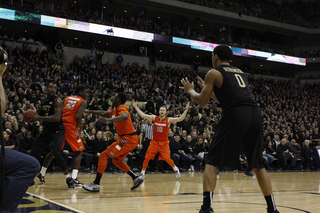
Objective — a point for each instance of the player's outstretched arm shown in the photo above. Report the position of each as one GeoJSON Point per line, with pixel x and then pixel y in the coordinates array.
{"type": "Point", "coordinates": [98, 112]}
{"type": "Point", "coordinates": [206, 92]}
{"type": "Point", "coordinates": [142, 114]}
{"type": "Point", "coordinates": [122, 117]}
{"type": "Point", "coordinates": [201, 84]}
{"type": "Point", "coordinates": [181, 118]}
{"type": "Point", "coordinates": [56, 117]}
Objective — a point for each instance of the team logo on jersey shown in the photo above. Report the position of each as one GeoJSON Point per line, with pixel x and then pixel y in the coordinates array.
{"type": "Point", "coordinates": [123, 142]}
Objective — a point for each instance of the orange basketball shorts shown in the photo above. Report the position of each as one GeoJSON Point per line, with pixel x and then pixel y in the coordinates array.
{"type": "Point", "coordinates": [158, 146]}
{"type": "Point", "coordinates": [121, 147]}
{"type": "Point", "coordinates": [71, 135]}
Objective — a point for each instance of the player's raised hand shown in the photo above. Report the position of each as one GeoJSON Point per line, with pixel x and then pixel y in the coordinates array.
{"type": "Point", "coordinates": [200, 82]}
{"type": "Point", "coordinates": [187, 86]}
{"type": "Point", "coordinates": [134, 103]}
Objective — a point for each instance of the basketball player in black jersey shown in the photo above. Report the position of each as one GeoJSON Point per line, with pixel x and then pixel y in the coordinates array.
{"type": "Point", "coordinates": [240, 128]}
{"type": "Point", "coordinates": [52, 134]}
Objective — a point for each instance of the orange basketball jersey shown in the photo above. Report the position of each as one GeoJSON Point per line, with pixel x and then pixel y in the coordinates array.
{"type": "Point", "coordinates": [160, 129]}
{"type": "Point", "coordinates": [122, 127]}
{"type": "Point", "coordinates": [70, 109]}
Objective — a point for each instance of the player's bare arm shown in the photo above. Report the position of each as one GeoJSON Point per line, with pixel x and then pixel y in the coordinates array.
{"type": "Point", "coordinates": [206, 92]}
{"type": "Point", "coordinates": [201, 84]}
{"type": "Point", "coordinates": [81, 110]}
{"type": "Point", "coordinates": [181, 118]}
{"type": "Point", "coordinates": [3, 99]}
{"type": "Point", "coordinates": [142, 114]}
{"type": "Point", "coordinates": [122, 117]}
{"type": "Point", "coordinates": [56, 117]}
{"type": "Point", "coordinates": [98, 112]}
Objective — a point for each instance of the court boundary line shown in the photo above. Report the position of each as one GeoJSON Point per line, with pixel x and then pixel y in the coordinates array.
{"type": "Point", "coordinates": [192, 194]}
{"type": "Point", "coordinates": [287, 207]}
{"type": "Point", "coordinates": [55, 202]}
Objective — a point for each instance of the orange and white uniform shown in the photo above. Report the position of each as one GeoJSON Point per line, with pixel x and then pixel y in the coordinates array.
{"type": "Point", "coordinates": [160, 142]}
{"type": "Point", "coordinates": [69, 119]}
{"type": "Point", "coordinates": [119, 149]}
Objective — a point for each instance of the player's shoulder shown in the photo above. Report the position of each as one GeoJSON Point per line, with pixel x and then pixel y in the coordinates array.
{"type": "Point", "coordinates": [123, 107]}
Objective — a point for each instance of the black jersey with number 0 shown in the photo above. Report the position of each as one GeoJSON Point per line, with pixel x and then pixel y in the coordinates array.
{"type": "Point", "coordinates": [235, 89]}
{"type": "Point", "coordinates": [47, 109]}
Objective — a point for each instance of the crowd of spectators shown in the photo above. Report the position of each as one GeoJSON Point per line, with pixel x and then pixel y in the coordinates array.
{"type": "Point", "coordinates": [269, 9]}
{"type": "Point", "coordinates": [309, 53]}
{"type": "Point", "coordinates": [287, 109]}
{"type": "Point", "coordinates": [308, 10]}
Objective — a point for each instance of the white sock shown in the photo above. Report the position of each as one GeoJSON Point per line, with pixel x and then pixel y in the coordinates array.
{"type": "Point", "coordinates": [74, 173]}
{"type": "Point", "coordinates": [143, 171]}
{"type": "Point", "coordinates": [43, 171]}
{"type": "Point", "coordinates": [175, 168]}
{"type": "Point", "coordinates": [68, 175]}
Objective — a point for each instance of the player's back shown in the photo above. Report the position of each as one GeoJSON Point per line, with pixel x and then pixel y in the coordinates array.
{"type": "Point", "coordinates": [70, 109]}
{"type": "Point", "coordinates": [235, 89]}
{"type": "Point", "coordinates": [123, 127]}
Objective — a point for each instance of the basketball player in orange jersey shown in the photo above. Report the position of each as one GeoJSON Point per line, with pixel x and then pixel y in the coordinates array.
{"type": "Point", "coordinates": [160, 141]}
{"type": "Point", "coordinates": [73, 109]}
{"type": "Point", "coordinates": [127, 141]}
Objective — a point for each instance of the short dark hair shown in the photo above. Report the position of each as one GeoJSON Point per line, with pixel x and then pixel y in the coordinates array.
{"type": "Point", "coordinates": [123, 97]}
{"type": "Point", "coordinates": [79, 89]}
{"type": "Point", "coordinates": [224, 52]}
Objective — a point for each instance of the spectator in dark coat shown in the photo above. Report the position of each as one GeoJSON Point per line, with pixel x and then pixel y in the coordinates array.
{"type": "Point", "coordinates": [306, 153]}
{"type": "Point", "coordinates": [26, 143]}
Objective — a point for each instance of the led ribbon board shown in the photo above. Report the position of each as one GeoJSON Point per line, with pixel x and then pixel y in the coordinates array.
{"type": "Point", "coordinates": [199, 45]}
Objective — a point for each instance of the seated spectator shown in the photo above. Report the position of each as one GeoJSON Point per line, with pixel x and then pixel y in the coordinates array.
{"type": "Point", "coordinates": [8, 126]}
{"type": "Point", "coordinates": [98, 145]}
{"type": "Point", "coordinates": [267, 159]}
{"type": "Point", "coordinates": [201, 149]}
{"type": "Point", "coordinates": [189, 149]}
{"type": "Point", "coordinates": [177, 153]}
{"type": "Point", "coordinates": [20, 136]}
{"type": "Point", "coordinates": [8, 142]}
{"type": "Point", "coordinates": [135, 159]}
{"type": "Point", "coordinates": [26, 143]}
{"type": "Point", "coordinates": [87, 157]}
{"type": "Point", "coordinates": [284, 153]}
{"type": "Point", "coordinates": [296, 150]}
{"type": "Point", "coordinates": [306, 153]}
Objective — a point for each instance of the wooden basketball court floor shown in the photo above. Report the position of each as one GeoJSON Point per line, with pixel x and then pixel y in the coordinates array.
{"type": "Point", "coordinates": [162, 193]}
